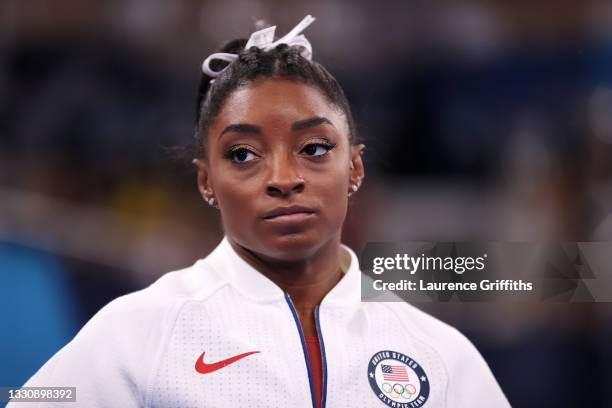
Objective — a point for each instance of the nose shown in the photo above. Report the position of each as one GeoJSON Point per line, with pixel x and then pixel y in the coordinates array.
{"type": "Point", "coordinates": [284, 179]}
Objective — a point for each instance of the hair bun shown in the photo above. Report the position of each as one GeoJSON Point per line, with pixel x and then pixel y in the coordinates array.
{"type": "Point", "coordinates": [250, 57]}
{"type": "Point", "coordinates": [233, 46]}
{"type": "Point", "coordinates": [282, 47]}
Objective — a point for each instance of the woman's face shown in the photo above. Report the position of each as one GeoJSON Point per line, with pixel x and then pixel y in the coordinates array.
{"type": "Point", "coordinates": [280, 165]}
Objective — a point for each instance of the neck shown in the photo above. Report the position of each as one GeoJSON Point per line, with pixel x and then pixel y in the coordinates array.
{"type": "Point", "coordinates": [307, 281]}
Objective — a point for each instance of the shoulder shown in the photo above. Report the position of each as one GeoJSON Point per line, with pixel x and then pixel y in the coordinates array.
{"type": "Point", "coordinates": [151, 311]}
{"type": "Point", "coordinates": [467, 370]}
{"type": "Point", "coordinates": [118, 349]}
{"type": "Point", "coordinates": [450, 344]}
{"type": "Point", "coordinates": [429, 328]}
{"type": "Point", "coordinates": [421, 326]}
{"type": "Point", "coordinates": [446, 341]}
{"type": "Point", "coordinates": [196, 282]}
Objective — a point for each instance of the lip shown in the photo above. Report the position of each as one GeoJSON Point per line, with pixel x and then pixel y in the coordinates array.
{"type": "Point", "coordinates": [290, 213]}
{"type": "Point", "coordinates": [290, 219]}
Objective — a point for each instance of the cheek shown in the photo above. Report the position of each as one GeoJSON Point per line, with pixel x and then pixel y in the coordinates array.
{"type": "Point", "coordinates": [231, 187]}
{"type": "Point", "coordinates": [334, 191]}
{"type": "Point", "coordinates": [237, 209]}
{"type": "Point", "coordinates": [235, 196]}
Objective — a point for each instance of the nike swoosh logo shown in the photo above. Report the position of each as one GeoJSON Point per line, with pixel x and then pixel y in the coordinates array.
{"type": "Point", "coordinates": [204, 368]}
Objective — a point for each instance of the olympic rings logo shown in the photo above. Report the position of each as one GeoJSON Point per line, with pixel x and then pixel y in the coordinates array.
{"type": "Point", "coordinates": [397, 390]}
{"type": "Point", "coordinates": [397, 378]}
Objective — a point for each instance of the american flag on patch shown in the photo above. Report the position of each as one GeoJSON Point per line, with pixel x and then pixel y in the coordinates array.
{"type": "Point", "coordinates": [394, 373]}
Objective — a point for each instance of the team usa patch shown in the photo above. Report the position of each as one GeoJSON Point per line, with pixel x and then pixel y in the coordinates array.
{"type": "Point", "coordinates": [397, 380]}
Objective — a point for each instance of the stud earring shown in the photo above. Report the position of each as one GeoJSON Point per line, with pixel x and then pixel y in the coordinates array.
{"type": "Point", "coordinates": [354, 187]}
{"type": "Point", "coordinates": [210, 200]}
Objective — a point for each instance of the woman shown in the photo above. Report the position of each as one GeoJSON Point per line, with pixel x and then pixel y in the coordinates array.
{"type": "Point", "coordinates": [272, 317]}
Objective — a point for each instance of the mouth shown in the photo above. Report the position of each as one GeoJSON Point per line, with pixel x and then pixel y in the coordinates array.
{"type": "Point", "coordinates": [294, 213]}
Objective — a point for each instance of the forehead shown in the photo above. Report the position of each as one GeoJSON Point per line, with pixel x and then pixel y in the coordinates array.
{"type": "Point", "coordinates": [278, 101]}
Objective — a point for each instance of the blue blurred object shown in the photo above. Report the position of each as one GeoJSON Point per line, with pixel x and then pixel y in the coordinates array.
{"type": "Point", "coordinates": [39, 311]}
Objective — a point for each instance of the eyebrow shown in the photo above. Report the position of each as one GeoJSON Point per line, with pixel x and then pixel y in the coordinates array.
{"type": "Point", "coordinates": [306, 123]}
{"type": "Point", "coordinates": [297, 126]}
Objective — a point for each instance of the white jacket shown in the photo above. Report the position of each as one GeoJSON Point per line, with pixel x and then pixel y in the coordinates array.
{"type": "Point", "coordinates": [145, 348]}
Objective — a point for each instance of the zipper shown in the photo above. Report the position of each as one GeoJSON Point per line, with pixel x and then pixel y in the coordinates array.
{"type": "Point", "coordinates": [304, 349]}
{"type": "Point", "coordinates": [323, 358]}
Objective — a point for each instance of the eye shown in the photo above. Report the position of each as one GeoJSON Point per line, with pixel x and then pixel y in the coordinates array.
{"type": "Point", "coordinates": [240, 155]}
{"type": "Point", "coordinates": [317, 149]}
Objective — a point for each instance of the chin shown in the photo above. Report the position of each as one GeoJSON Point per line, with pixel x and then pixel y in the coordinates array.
{"type": "Point", "coordinates": [293, 246]}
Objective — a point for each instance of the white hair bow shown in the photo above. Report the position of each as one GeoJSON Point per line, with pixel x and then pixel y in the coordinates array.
{"type": "Point", "coordinates": [264, 39]}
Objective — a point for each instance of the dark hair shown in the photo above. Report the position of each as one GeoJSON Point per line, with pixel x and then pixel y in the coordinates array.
{"type": "Point", "coordinates": [283, 62]}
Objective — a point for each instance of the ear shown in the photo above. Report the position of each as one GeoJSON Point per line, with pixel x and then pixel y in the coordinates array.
{"type": "Point", "coordinates": [204, 185]}
{"type": "Point", "coordinates": [357, 171]}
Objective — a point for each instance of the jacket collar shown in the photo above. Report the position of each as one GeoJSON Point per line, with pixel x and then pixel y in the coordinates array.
{"type": "Point", "coordinates": [252, 284]}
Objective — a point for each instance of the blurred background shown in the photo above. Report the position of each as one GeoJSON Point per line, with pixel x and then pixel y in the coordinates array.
{"type": "Point", "coordinates": [483, 120]}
